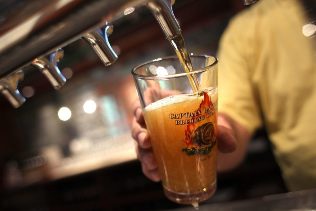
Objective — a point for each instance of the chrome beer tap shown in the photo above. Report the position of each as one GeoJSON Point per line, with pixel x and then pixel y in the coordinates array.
{"type": "Point", "coordinates": [48, 66]}
{"type": "Point", "coordinates": [99, 41]}
{"type": "Point", "coordinates": [162, 10]}
{"type": "Point", "coordinates": [31, 36]}
{"type": "Point", "coordinates": [8, 88]}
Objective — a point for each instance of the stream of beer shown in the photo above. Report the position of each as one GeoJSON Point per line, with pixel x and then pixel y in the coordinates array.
{"type": "Point", "coordinates": [179, 46]}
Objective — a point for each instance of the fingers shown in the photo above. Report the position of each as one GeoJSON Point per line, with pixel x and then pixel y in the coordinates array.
{"type": "Point", "coordinates": [148, 162]}
{"type": "Point", "coordinates": [139, 132]}
{"type": "Point", "coordinates": [151, 174]}
{"type": "Point", "coordinates": [140, 135]}
{"type": "Point", "coordinates": [147, 158]}
{"type": "Point", "coordinates": [138, 113]}
{"type": "Point", "coordinates": [143, 148]}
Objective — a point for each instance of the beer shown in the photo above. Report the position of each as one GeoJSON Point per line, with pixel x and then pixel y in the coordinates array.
{"type": "Point", "coordinates": [178, 45]}
{"type": "Point", "coordinates": [182, 130]}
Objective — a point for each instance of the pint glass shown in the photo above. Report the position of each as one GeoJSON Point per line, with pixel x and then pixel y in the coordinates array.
{"type": "Point", "coordinates": [182, 124]}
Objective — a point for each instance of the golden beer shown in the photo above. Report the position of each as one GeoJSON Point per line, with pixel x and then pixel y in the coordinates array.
{"type": "Point", "coordinates": [182, 129]}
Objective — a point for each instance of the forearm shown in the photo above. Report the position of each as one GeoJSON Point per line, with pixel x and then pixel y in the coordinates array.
{"type": "Point", "coordinates": [232, 130]}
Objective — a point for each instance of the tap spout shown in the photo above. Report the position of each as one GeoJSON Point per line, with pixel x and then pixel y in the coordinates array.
{"type": "Point", "coordinates": [99, 41]}
{"type": "Point", "coordinates": [8, 87]}
{"type": "Point", "coordinates": [162, 10]}
{"type": "Point", "coordinates": [48, 66]}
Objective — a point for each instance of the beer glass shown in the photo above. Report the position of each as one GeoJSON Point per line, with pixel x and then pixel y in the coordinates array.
{"type": "Point", "coordinates": [182, 124]}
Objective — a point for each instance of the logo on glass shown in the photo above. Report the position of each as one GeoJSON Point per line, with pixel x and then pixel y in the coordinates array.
{"type": "Point", "coordinates": [201, 139]}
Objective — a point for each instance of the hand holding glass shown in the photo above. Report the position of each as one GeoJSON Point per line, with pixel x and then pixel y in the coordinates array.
{"type": "Point", "coordinates": [182, 124]}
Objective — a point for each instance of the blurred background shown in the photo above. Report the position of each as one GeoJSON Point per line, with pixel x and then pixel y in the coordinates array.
{"type": "Point", "coordinates": [72, 150]}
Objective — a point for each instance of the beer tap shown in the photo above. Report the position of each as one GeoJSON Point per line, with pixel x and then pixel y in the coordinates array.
{"type": "Point", "coordinates": [38, 28]}
{"type": "Point", "coordinates": [162, 11]}
{"type": "Point", "coordinates": [99, 41]}
{"type": "Point", "coordinates": [48, 66]}
{"type": "Point", "coordinates": [8, 88]}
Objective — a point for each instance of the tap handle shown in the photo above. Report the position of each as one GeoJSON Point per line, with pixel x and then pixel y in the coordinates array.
{"type": "Point", "coordinates": [99, 41]}
{"type": "Point", "coordinates": [48, 66]}
{"type": "Point", "coordinates": [8, 87]}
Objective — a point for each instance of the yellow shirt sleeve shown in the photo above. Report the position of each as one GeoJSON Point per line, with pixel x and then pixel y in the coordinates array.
{"type": "Point", "coordinates": [237, 96]}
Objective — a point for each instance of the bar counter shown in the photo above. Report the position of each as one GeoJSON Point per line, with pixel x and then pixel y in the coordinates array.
{"type": "Point", "coordinates": [297, 200]}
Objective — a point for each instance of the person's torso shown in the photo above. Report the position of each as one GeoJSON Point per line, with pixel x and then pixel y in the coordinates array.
{"type": "Point", "coordinates": [284, 78]}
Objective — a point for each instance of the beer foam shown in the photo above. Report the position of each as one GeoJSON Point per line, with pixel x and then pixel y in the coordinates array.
{"type": "Point", "coordinates": [176, 99]}
{"type": "Point", "coordinates": [169, 101]}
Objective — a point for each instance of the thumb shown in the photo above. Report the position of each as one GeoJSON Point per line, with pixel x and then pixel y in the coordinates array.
{"type": "Point", "coordinates": [226, 140]}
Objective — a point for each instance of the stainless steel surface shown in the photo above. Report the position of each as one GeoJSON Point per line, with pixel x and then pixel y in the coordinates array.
{"type": "Point", "coordinates": [100, 43]}
{"type": "Point", "coordinates": [8, 88]}
{"type": "Point", "coordinates": [48, 66]}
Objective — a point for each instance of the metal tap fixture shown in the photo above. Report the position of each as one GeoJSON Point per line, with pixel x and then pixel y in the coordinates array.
{"type": "Point", "coordinates": [99, 41]}
{"type": "Point", "coordinates": [163, 13]}
{"type": "Point", "coordinates": [31, 31]}
{"type": "Point", "coordinates": [48, 66]}
{"type": "Point", "coordinates": [8, 88]}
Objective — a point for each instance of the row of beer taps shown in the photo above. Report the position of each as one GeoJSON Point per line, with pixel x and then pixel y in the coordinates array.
{"type": "Point", "coordinates": [98, 38]}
